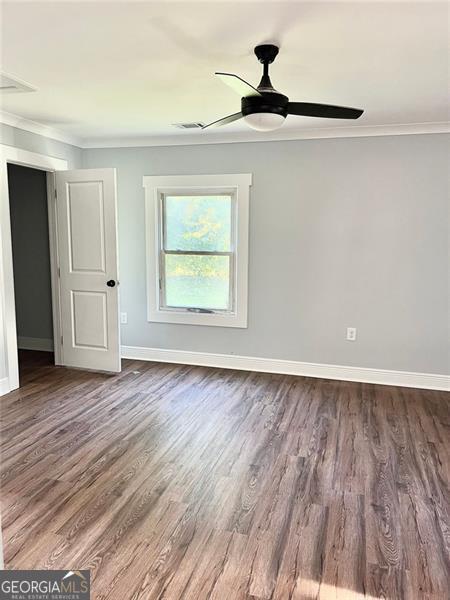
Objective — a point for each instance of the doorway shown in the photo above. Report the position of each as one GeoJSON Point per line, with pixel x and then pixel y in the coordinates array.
{"type": "Point", "coordinates": [28, 207]}
{"type": "Point", "coordinates": [82, 228]}
{"type": "Point", "coordinates": [9, 155]}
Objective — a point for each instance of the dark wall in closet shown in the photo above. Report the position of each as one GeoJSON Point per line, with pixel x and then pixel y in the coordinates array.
{"type": "Point", "coordinates": [31, 255]}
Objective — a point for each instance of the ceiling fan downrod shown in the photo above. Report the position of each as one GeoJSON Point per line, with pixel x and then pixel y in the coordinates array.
{"type": "Point", "coordinates": [266, 54]}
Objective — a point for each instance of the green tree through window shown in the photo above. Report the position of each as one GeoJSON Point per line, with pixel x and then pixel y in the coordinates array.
{"type": "Point", "coordinates": [193, 226]}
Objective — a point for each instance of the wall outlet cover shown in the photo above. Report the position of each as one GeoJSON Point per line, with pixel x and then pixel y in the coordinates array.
{"type": "Point", "coordinates": [351, 334]}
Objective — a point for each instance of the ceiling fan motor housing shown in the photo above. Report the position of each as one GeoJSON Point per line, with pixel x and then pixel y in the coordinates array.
{"type": "Point", "coordinates": [268, 102]}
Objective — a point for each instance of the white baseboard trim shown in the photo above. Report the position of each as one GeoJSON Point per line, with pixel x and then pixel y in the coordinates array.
{"type": "Point", "coordinates": [4, 386]}
{"type": "Point", "coordinates": [29, 343]}
{"type": "Point", "coordinates": [289, 367]}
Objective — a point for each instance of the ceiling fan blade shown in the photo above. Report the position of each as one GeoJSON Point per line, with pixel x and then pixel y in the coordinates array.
{"type": "Point", "coordinates": [224, 120]}
{"type": "Point", "coordinates": [327, 111]}
{"type": "Point", "coordinates": [237, 84]}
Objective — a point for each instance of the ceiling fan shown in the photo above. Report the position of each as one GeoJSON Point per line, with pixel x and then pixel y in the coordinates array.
{"type": "Point", "coordinates": [265, 109]}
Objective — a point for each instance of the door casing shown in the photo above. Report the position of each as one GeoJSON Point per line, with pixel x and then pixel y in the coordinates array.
{"type": "Point", "coordinates": [8, 334]}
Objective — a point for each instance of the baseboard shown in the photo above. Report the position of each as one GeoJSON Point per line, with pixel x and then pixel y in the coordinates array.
{"type": "Point", "coordinates": [29, 343]}
{"type": "Point", "coordinates": [288, 367]}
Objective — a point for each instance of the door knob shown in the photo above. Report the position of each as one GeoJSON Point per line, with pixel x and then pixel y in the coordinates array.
{"type": "Point", "coordinates": [111, 283]}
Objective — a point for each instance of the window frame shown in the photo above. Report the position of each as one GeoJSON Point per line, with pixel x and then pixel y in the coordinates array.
{"type": "Point", "coordinates": [156, 189]}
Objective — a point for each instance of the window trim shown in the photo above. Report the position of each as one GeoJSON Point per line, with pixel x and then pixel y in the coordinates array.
{"type": "Point", "coordinates": [155, 189]}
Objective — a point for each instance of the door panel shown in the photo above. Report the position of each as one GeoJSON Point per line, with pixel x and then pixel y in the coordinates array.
{"type": "Point", "coordinates": [90, 319]}
{"type": "Point", "coordinates": [86, 226]}
{"type": "Point", "coordinates": [87, 247]}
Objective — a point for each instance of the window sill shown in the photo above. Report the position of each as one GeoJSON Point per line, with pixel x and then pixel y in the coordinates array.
{"type": "Point", "coordinates": [188, 318]}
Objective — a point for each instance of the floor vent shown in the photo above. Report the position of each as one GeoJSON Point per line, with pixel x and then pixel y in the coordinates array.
{"type": "Point", "coordinates": [196, 125]}
{"type": "Point", "coordinates": [10, 85]}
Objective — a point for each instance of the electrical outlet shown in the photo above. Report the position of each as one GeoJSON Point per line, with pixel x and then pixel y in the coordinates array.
{"type": "Point", "coordinates": [123, 318]}
{"type": "Point", "coordinates": [351, 334]}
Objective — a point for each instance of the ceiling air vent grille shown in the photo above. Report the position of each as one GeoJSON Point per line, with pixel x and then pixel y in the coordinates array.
{"type": "Point", "coordinates": [196, 125]}
{"type": "Point", "coordinates": [10, 85]}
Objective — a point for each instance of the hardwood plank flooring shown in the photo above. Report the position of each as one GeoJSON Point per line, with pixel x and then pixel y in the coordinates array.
{"type": "Point", "coordinates": [179, 482]}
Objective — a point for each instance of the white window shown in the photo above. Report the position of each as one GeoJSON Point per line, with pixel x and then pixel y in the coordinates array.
{"type": "Point", "coordinates": [197, 249]}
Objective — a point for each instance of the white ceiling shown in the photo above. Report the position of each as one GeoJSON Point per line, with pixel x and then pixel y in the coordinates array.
{"type": "Point", "coordinates": [131, 70]}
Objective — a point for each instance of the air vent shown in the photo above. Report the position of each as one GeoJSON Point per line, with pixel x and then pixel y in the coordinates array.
{"type": "Point", "coordinates": [197, 125]}
{"type": "Point", "coordinates": [11, 85]}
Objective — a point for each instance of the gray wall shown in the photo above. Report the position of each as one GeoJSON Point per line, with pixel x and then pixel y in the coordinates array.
{"type": "Point", "coordinates": [11, 136]}
{"type": "Point", "coordinates": [343, 232]}
{"type": "Point", "coordinates": [31, 253]}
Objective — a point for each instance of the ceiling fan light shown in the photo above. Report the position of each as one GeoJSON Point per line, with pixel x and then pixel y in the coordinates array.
{"type": "Point", "coordinates": [264, 121]}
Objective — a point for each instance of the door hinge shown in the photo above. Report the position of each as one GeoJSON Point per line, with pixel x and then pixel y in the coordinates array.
{"type": "Point", "coordinates": [59, 272]}
{"type": "Point", "coordinates": [61, 340]}
{"type": "Point", "coordinates": [160, 284]}
{"type": "Point", "coordinates": [56, 194]}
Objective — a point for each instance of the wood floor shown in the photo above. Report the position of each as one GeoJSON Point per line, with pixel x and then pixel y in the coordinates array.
{"type": "Point", "coordinates": [181, 482]}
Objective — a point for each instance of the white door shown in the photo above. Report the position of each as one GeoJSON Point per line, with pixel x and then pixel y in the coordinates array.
{"type": "Point", "coordinates": [87, 252]}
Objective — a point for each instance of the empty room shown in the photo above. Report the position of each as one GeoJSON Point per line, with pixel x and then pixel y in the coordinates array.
{"type": "Point", "coordinates": [224, 300]}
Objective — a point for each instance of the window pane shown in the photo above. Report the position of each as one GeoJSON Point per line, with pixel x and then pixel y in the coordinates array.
{"type": "Point", "coordinates": [197, 281]}
{"type": "Point", "coordinates": [198, 223]}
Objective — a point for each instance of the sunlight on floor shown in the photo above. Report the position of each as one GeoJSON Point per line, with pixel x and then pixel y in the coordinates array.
{"type": "Point", "coordinates": [324, 591]}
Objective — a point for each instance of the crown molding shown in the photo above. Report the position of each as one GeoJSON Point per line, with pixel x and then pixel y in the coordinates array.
{"type": "Point", "coordinates": [188, 139]}
{"type": "Point", "coordinates": [7, 118]}
{"type": "Point", "coordinates": [202, 137]}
